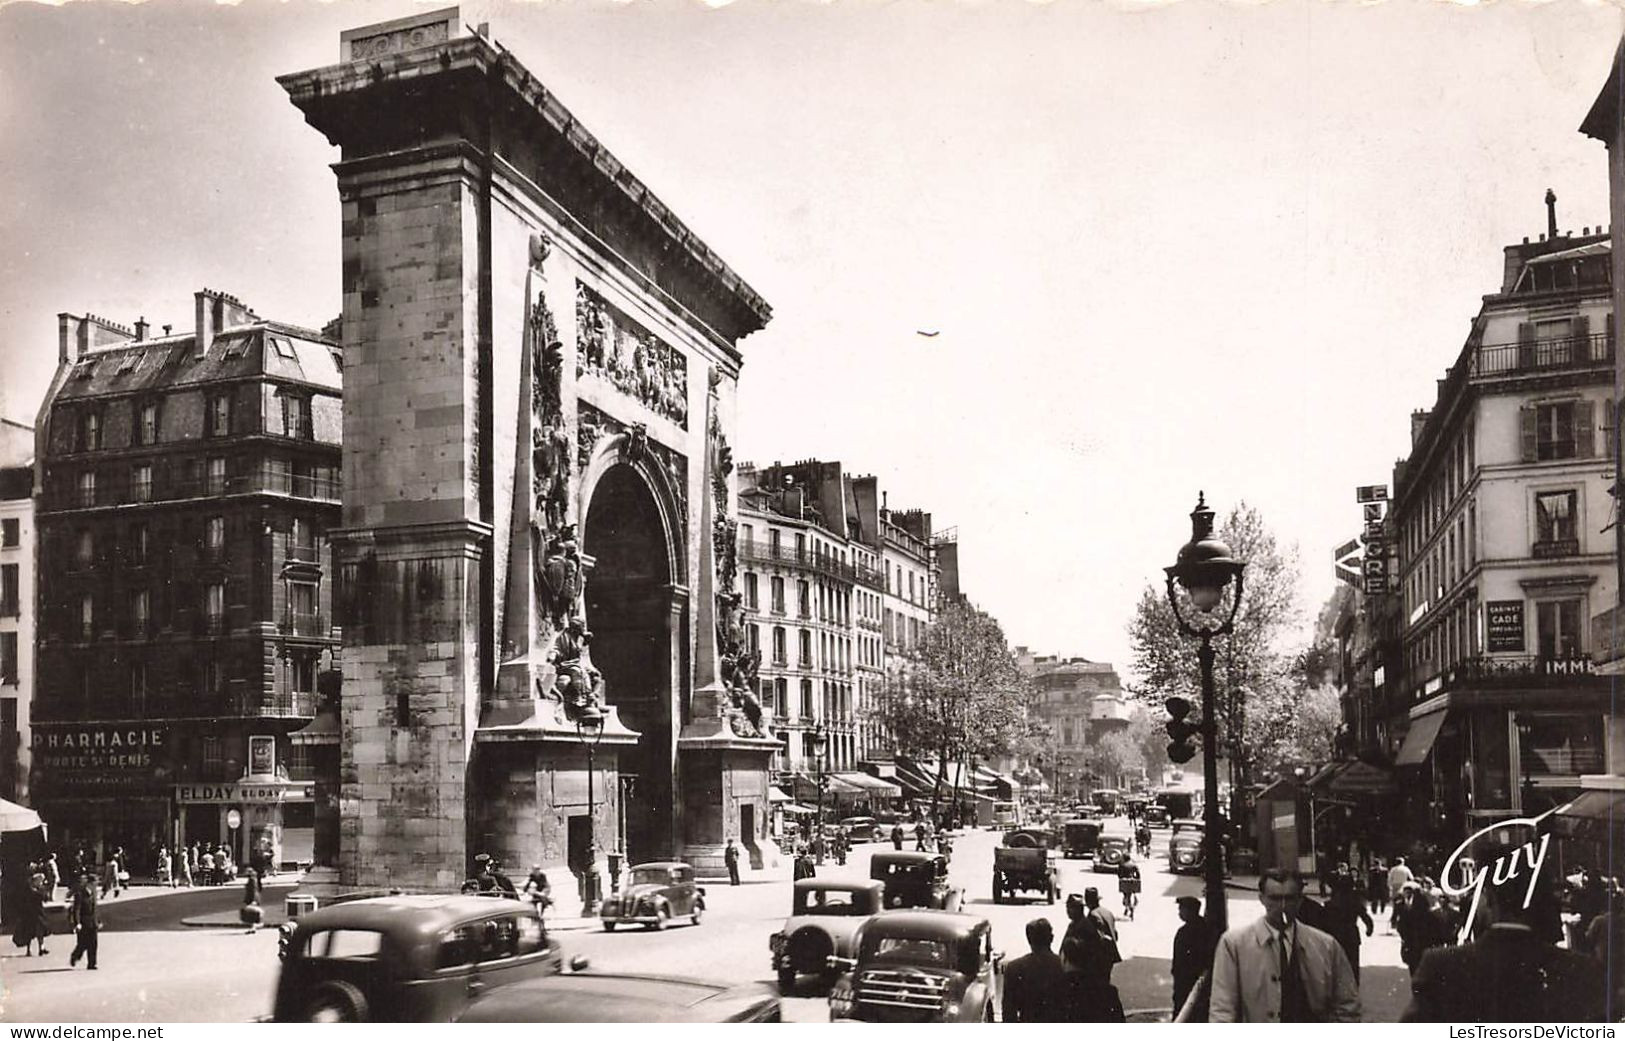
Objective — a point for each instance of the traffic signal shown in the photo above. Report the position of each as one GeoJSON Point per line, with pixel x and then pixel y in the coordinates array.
{"type": "Point", "coordinates": [1180, 749]}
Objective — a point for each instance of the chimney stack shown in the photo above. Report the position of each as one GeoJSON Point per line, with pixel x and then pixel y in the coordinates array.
{"type": "Point", "coordinates": [64, 335]}
{"type": "Point", "coordinates": [206, 320]}
{"type": "Point", "coordinates": [141, 328]}
{"type": "Point", "coordinates": [1551, 214]}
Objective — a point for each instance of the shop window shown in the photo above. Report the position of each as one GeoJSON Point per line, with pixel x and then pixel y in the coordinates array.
{"type": "Point", "coordinates": [1560, 744]}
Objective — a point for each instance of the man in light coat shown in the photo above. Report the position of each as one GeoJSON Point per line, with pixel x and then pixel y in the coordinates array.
{"type": "Point", "coordinates": [1279, 970]}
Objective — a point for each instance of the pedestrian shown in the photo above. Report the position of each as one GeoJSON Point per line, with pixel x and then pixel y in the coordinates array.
{"type": "Point", "coordinates": [483, 873]}
{"type": "Point", "coordinates": [82, 916]}
{"type": "Point", "coordinates": [195, 860]}
{"type": "Point", "coordinates": [206, 867]}
{"type": "Point", "coordinates": [919, 836]}
{"type": "Point", "coordinates": [1088, 957]}
{"type": "Point", "coordinates": [730, 857]}
{"type": "Point", "coordinates": [1280, 970]}
{"type": "Point", "coordinates": [1193, 949]}
{"type": "Point", "coordinates": [53, 877]}
{"type": "Point", "coordinates": [1035, 983]}
{"type": "Point", "coordinates": [1344, 913]}
{"type": "Point", "coordinates": [504, 884]}
{"type": "Point", "coordinates": [251, 913]}
{"type": "Point", "coordinates": [164, 877]}
{"type": "Point", "coordinates": [1507, 975]}
{"type": "Point", "coordinates": [32, 927]}
{"type": "Point", "coordinates": [183, 867]}
{"type": "Point", "coordinates": [110, 875]}
{"type": "Point", "coordinates": [538, 891]}
{"type": "Point", "coordinates": [1128, 885]}
{"type": "Point", "coordinates": [1398, 875]}
{"type": "Point", "coordinates": [1420, 925]}
{"type": "Point", "coordinates": [1377, 886]}
{"type": "Point", "coordinates": [1105, 924]}
{"type": "Point", "coordinates": [897, 835]}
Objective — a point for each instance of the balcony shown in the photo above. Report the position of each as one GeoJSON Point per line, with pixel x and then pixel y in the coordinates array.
{"type": "Point", "coordinates": [1555, 548]}
{"type": "Point", "coordinates": [788, 556]}
{"type": "Point", "coordinates": [1496, 361]}
{"type": "Point", "coordinates": [303, 555]}
{"type": "Point", "coordinates": [265, 479]}
{"type": "Point", "coordinates": [297, 705]}
{"type": "Point", "coordinates": [1511, 671]}
{"type": "Point", "coordinates": [301, 623]}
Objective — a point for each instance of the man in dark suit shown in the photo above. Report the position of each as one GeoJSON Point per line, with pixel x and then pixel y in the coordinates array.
{"type": "Point", "coordinates": [1193, 949]}
{"type": "Point", "coordinates": [1034, 984]}
{"type": "Point", "coordinates": [1510, 974]}
{"type": "Point", "coordinates": [82, 914]}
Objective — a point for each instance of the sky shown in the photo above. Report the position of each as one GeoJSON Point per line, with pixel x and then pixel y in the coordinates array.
{"type": "Point", "coordinates": [1165, 247]}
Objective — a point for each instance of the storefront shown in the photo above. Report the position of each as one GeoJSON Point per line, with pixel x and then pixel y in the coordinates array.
{"type": "Point", "coordinates": [269, 821]}
{"type": "Point", "coordinates": [99, 788]}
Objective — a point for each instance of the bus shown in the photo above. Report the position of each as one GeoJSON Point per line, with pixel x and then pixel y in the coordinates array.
{"type": "Point", "coordinates": [1178, 802]}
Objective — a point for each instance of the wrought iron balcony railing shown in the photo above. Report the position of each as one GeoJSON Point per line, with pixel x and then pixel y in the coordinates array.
{"type": "Point", "coordinates": [1532, 356]}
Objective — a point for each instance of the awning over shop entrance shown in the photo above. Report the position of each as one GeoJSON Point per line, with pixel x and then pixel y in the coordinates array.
{"type": "Point", "coordinates": [1606, 806]}
{"type": "Point", "coordinates": [1419, 739]}
{"type": "Point", "coordinates": [776, 795]}
{"type": "Point", "coordinates": [1354, 778]}
{"type": "Point", "coordinates": [873, 786]}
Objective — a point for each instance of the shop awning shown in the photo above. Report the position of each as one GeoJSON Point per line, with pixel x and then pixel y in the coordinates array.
{"type": "Point", "coordinates": [17, 818]}
{"type": "Point", "coordinates": [873, 786]}
{"type": "Point", "coordinates": [1419, 739]}
{"type": "Point", "coordinates": [776, 795]}
{"type": "Point", "coordinates": [1358, 778]}
{"type": "Point", "coordinates": [795, 809]}
{"type": "Point", "coordinates": [1607, 806]}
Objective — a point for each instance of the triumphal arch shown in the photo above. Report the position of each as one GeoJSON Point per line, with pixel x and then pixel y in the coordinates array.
{"type": "Point", "coordinates": [536, 563]}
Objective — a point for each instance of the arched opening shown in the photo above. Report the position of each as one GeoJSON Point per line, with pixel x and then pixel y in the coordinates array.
{"type": "Point", "coordinates": [629, 610]}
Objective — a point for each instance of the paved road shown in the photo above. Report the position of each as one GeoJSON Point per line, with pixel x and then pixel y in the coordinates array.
{"type": "Point", "coordinates": [156, 970]}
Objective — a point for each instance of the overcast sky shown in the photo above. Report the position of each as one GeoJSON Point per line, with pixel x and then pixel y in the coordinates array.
{"type": "Point", "coordinates": [1165, 248]}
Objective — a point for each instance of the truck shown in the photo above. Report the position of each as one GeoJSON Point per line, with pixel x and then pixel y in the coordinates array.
{"type": "Point", "coordinates": [1024, 868]}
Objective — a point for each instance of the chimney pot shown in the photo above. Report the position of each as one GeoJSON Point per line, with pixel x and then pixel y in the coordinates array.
{"type": "Point", "coordinates": [141, 328]}
{"type": "Point", "coordinates": [1551, 213]}
{"type": "Point", "coordinates": [167, 328]}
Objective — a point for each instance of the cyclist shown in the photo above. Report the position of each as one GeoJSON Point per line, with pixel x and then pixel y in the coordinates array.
{"type": "Point", "coordinates": [1128, 883]}
{"type": "Point", "coordinates": [1142, 839]}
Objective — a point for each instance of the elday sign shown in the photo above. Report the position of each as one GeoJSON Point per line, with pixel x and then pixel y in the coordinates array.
{"type": "Point", "coordinates": [240, 793]}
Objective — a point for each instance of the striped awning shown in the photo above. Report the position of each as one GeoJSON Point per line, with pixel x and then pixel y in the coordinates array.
{"type": "Point", "coordinates": [870, 784]}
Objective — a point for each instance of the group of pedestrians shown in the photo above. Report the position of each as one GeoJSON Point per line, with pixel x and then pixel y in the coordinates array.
{"type": "Point", "coordinates": [1074, 985]}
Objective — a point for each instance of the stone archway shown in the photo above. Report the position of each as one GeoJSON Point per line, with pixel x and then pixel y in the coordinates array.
{"type": "Point", "coordinates": [630, 610]}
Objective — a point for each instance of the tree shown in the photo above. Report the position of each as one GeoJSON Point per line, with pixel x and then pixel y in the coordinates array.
{"type": "Point", "coordinates": [962, 694]}
{"type": "Point", "coordinates": [1148, 735]}
{"type": "Point", "coordinates": [1113, 757]}
{"type": "Point", "coordinates": [1254, 691]}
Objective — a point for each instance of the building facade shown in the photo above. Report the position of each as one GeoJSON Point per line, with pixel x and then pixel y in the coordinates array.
{"type": "Point", "coordinates": [1081, 701]}
{"type": "Point", "coordinates": [187, 487]}
{"type": "Point", "coordinates": [543, 651]}
{"type": "Point", "coordinates": [1501, 518]}
{"type": "Point", "coordinates": [17, 605]}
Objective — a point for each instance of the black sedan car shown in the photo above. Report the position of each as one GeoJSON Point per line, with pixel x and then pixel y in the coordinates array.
{"type": "Point", "coordinates": [595, 997]}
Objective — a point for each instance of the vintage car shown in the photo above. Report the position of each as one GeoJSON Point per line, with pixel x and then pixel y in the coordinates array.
{"type": "Point", "coordinates": [1024, 868]}
{"type": "Point", "coordinates": [861, 829]}
{"type": "Point", "coordinates": [407, 959]}
{"type": "Point", "coordinates": [1028, 837]}
{"type": "Point", "coordinates": [653, 895]}
{"type": "Point", "coordinates": [1185, 851]}
{"type": "Point", "coordinates": [1156, 816]}
{"type": "Point", "coordinates": [1112, 851]}
{"type": "Point", "coordinates": [1106, 801]}
{"type": "Point", "coordinates": [824, 920]}
{"type": "Point", "coordinates": [919, 967]}
{"type": "Point", "coordinates": [1079, 837]}
{"type": "Point", "coordinates": [594, 997]}
{"type": "Point", "coordinates": [914, 879]}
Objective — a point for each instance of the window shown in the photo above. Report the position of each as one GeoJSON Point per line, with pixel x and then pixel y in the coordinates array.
{"type": "Point", "coordinates": [296, 416]}
{"type": "Point", "coordinates": [801, 546]}
{"type": "Point", "coordinates": [780, 655]}
{"type": "Point", "coordinates": [283, 348]}
{"type": "Point", "coordinates": [1560, 430]}
{"type": "Point", "coordinates": [1555, 529]}
{"type": "Point", "coordinates": [10, 600]}
{"type": "Point", "coordinates": [217, 475]}
{"type": "Point", "coordinates": [807, 702]}
{"type": "Point", "coordinates": [303, 677]}
{"type": "Point", "coordinates": [214, 537]}
{"type": "Point", "coordinates": [805, 647]}
{"type": "Point", "coordinates": [1557, 626]}
{"type": "Point", "coordinates": [90, 431]}
{"type": "Point", "coordinates": [302, 607]}
{"type": "Point", "coordinates": [778, 594]}
{"type": "Point", "coordinates": [1560, 744]}
{"type": "Point", "coordinates": [10, 532]}
{"type": "Point", "coordinates": [753, 636]}
{"type": "Point", "coordinates": [146, 428]}
{"type": "Point", "coordinates": [85, 551]}
{"type": "Point", "coordinates": [8, 659]}
{"type": "Point", "coordinates": [214, 604]}
{"type": "Point", "coordinates": [211, 753]}
{"type": "Point", "coordinates": [214, 679]}
{"type": "Point", "coordinates": [803, 599]}
{"type": "Point", "coordinates": [139, 617]}
{"type": "Point", "coordinates": [751, 601]}
{"type": "Point", "coordinates": [302, 541]}
{"type": "Point", "coordinates": [141, 482]}
{"type": "Point", "coordinates": [87, 488]}
{"type": "Point", "coordinates": [136, 545]}
{"type": "Point", "coordinates": [138, 685]}
{"type": "Point", "coordinates": [773, 543]}
{"type": "Point", "coordinates": [87, 616]}
{"type": "Point", "coordinates": [220, 415]}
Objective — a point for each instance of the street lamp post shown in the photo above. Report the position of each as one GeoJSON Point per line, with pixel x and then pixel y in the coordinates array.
{"type": "Point", "coordinates": [820, 742]}
{"type": "Point", "coordinates": [1205, 568]}
{"type": "Point", "coordinates": [590, 727]}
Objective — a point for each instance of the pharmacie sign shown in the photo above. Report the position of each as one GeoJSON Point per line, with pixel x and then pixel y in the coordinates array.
{"type": "Point", "coordinates": [99, 747]}
{"type": "Point", "coordinates": [241, 793]}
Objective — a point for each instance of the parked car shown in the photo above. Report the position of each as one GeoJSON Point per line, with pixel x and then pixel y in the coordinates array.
{"type": "Point", "coordinates": [1024, 868]}
{"type": "Point", "coordinates": [1185, 851]}
{"type": "Point", "coordinates": [919, 967]}
{"type": "Point", "coordinates": [1112, 851]}
{"type": "Point", "coordinates": [861, 829]}
{"type": "Point", "coordinates": [824, 921]}
{"type": "Point", "coordinates": [653, 895]}
{"type": "Point", "coordinates": [914, 879]}
{"type": "Point", "coordinates": [407, 959]}
{"type": "Point", "coordinates": [1079, 838]}
{"type": "Point", "coordinates": [593, 997]}
{"type": "Point", "coordinates": [1156, 816]}
{"type": "Point", "coordinates": [1187, 824]}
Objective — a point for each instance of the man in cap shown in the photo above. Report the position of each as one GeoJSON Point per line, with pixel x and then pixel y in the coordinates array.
{"type": "Point", "coordinates": [1193, 949]}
